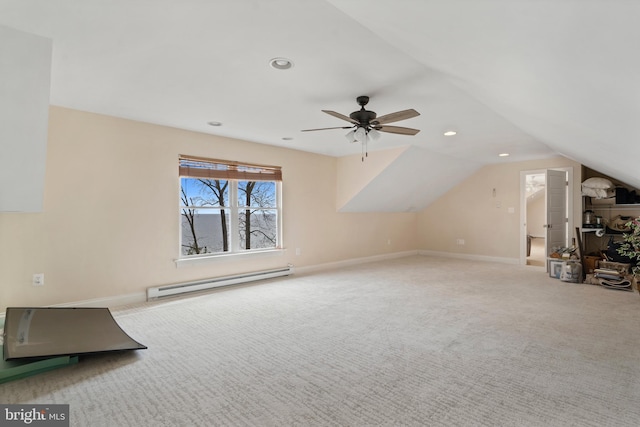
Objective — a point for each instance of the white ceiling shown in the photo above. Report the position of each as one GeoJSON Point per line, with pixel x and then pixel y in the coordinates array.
{"type": "Point", "coordinates": [532, 78]}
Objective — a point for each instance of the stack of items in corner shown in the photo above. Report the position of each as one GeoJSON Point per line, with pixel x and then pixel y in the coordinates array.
{"type": "Point", "coordinates": [612, 279]}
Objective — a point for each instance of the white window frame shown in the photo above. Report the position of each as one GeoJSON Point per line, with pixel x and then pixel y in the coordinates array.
{"type": "Point", "coordinates": [234, 223]}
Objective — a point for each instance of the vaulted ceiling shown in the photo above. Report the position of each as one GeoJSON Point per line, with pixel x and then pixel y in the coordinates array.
{"type": "Point", "coordinates": [531, 78]}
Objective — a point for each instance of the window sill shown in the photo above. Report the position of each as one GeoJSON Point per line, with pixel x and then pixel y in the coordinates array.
{"type": "Point", "coordinates": [238, 256]}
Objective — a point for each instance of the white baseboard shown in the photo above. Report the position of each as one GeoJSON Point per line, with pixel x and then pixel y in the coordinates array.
{"type": "Point", "coordinates": [353, 261]}
{"type": "Point", "coordinates": [110, 302]}
{"type": "Point", "coordinates": [113, 301]}
{"type": "Point", "coordinates": [470, 257]}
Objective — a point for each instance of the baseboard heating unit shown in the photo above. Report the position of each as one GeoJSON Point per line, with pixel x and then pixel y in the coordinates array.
{"type": "Point", "coordinates": [215, 282]}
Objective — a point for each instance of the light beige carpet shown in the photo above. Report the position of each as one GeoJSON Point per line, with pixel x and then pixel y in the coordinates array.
{"type": "Point", "coordinates": [415, 341]}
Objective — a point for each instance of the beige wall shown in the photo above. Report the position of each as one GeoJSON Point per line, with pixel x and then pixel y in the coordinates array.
{"type": "Point", "coordinates": [110, 220]}
{"type": "Point", "coordinates": [470, 211]}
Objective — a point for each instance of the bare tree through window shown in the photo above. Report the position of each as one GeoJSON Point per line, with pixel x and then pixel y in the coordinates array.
{"type": "Point", "coordinates": [212, 208]}
{"type": "Point", "coordinates": [218, 190]}
{"type": "Point", "coordinates": [189, 215]}
{"type": "Point", "coordinates": [258, 219]}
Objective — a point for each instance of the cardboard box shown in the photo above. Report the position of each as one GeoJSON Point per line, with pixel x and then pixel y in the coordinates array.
{"type": "Point", "coordinates": [591, 263]}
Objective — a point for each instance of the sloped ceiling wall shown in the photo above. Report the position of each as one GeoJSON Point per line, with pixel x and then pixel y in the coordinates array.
{"type": "Point", "coordinates": [395, 190]}
{"type": "Point", "coordinates": [529, 77]}
{"type": "Point", "coordinates": [562, 71]}
{"type": "Point", "coordinates": [24, 109]}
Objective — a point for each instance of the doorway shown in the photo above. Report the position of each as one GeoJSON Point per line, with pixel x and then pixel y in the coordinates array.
{"type": "Point", "coordinates": [535, 216]}
{"type": "Point", "coordinates": [545, 212]}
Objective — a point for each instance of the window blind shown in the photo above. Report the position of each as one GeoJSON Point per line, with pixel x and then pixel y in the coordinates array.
{"type": "Point", "coordinates": [199, 167]}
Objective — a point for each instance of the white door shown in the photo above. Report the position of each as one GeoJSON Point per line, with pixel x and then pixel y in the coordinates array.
{"type": "Point", "coordinates": [556, 223]}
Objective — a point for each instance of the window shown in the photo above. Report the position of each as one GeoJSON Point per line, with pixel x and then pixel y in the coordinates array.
{"type": "Point", "coordinates": [228, 207]}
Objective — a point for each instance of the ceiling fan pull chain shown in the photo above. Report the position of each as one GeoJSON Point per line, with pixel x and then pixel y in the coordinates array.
{"type": "Point", "coordinates": [365, 147]}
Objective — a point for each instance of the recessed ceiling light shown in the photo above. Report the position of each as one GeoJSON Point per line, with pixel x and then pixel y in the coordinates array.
{"type": "Point", "coordinates": [450, 133]}
{"type": "Point", "coordinates": [281, 63]}
{"type": "Point", "coordinates": [214, 123]}
{"type": "Point", "coordinates": [503, 154]}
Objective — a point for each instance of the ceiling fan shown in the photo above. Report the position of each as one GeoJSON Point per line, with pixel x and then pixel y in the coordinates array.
{"type": "Point", "coordinates": [366, 123]}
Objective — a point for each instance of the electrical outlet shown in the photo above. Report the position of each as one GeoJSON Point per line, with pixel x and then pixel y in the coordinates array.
{"type": "Point", "coordinates": [38, 279]}
{"type": "Point", "coordinates": [388, 241]}
{"type": "Point", "coordinates": [459, 241]}
{"type": "Point", "coordinates": [298, 251]}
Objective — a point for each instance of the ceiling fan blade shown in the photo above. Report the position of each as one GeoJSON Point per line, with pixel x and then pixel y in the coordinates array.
{"type": "Point", "coordinates": [397, 129]}
{"type": "Point", "coordinates": [340, 116]}
{"type": "Point", "coordinates": [397, 116]}
{"type": "Point", "coordinates": [339, 127]}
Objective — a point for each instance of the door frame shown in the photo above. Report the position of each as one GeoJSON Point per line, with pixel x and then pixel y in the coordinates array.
{"type": "Point", "coordinates": [523, 207]}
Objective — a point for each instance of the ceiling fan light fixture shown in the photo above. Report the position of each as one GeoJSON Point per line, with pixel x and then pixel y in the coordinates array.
{"type": "Point", "coordinates": [351, 136]}
{"type": "Point", "coordinates": [374, 134]}
{"type": "Point", "coordinates": [281, 63]}
{"type": "Point", "coordinates": [360, 134]}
